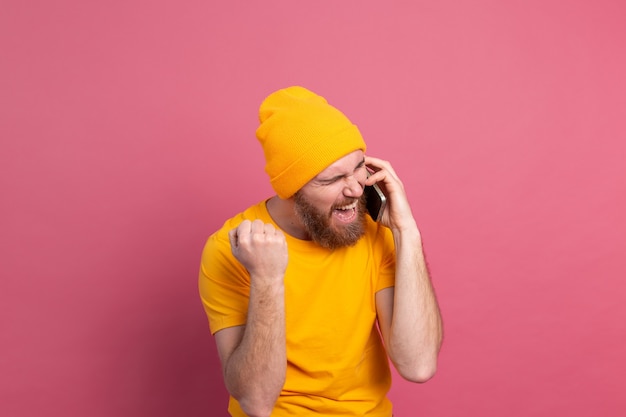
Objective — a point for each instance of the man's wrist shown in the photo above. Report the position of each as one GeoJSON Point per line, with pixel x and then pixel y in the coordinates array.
{"type": "Point", "coordinates": [408, 231]}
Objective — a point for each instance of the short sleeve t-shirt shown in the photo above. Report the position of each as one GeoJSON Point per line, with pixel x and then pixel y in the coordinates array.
{"type": "Point", "coordinates": [336, 363]}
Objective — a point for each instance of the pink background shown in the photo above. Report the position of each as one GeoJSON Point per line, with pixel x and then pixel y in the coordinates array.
{"type": "Point", "coordinates": [127, 137]}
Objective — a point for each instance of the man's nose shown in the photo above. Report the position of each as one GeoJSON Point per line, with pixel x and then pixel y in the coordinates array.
{"type": "Point", "coordinates": [353, 188]}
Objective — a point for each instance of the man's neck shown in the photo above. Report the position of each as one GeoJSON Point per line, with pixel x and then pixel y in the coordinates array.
{"type": "Point", "coordinates": [283, 213]}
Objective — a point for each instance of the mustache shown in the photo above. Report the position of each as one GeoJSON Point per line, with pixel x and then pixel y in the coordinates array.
{"type": "Point", "coordinates": [348, 201]}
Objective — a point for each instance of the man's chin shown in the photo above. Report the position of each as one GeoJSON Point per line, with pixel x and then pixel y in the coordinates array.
{"type": "Point", "coordinates": [342, 234]}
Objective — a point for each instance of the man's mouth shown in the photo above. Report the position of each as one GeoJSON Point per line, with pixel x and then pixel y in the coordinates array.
{"type": "Point", "coordinates": [346, 213]}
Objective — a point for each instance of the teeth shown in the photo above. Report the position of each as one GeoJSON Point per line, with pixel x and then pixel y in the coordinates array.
{"type": "Point", "coordinates": [348, 207]}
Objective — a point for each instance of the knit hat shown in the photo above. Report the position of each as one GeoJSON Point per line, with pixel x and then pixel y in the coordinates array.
{"type": "Point", "coordinates": [301, 135]}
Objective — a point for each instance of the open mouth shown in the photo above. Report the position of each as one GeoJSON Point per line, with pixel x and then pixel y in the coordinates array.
{"type": "Point", "coordinates": [347, 213]}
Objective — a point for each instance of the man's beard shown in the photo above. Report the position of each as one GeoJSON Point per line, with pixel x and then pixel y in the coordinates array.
{"type": "Point", "coordinates": [321, 230]}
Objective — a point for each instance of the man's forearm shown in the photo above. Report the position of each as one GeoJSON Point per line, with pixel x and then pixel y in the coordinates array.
{"type": "Point", "coordinates": [416, 327]}
{"type": "Point", "coordinates": [255, 372]}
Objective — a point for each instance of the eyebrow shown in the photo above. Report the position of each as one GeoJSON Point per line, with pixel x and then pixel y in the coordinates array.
{"type": "Point", "coordinates": [340, 176]}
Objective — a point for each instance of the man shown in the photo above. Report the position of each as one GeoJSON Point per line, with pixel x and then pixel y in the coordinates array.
{"type": "Point", "coordinates": [306, 295]}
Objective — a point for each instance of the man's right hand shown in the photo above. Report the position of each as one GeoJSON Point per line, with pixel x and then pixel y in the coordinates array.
{"type": "Point", "coordinates": [261, 248]}
{"type": "Point", "coordinates": [254, 355]}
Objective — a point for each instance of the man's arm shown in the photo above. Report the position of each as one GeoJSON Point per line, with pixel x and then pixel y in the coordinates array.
{"type": "Point", "coordinates": [253, 356]}
{"type": "Point", "coordinates": [408, 314]}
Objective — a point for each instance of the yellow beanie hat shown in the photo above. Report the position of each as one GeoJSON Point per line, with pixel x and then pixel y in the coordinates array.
{"type": "Point", "coordinates": [301, 135]}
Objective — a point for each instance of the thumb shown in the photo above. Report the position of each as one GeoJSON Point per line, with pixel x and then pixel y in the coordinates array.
{"type": "Point", "coordinates": [232, 237]}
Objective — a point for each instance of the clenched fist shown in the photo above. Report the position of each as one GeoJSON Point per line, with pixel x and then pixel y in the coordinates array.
{"type": "Point", "coordinates": [261, 248]}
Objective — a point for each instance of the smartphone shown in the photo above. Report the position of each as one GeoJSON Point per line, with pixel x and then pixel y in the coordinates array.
{"type": "Point", "coordinates": [375, 201]}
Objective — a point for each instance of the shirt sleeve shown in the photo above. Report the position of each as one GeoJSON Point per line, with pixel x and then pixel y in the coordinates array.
{"type": "Point", "coordinates": [224, 284]}
{"type": "Point", "coordinates": [387, 271]}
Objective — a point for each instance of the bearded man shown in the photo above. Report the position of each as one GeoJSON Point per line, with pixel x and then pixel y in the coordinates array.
{"type": "Point", "coordinates": [307, 296]}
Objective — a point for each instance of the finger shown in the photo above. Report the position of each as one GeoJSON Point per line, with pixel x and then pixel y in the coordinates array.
{"type": "Point", "coordinates": [232, 237]}
{"type": "Point", "coordinates": [377, 176]}
{"type": "Point", "coordinates": [269, 229]}
{"type": "Point", "coordinates": [257, 226]}
{"type": "Point", "coordinates": [381, 169]}
{"type": "Point", "coordinates": [276, 234]}
{"type": "Point", "coordinates": [377, 164]}
{"type": "Point", "coordinates": [374, 163]}
{"type": "Point", "coordinates": [238, 232]}
{"type": "Point", "coordinates": [244, 227]}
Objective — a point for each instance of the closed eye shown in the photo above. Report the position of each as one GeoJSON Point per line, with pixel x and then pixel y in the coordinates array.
{"type": "Point", "coordinates": [336, 178]}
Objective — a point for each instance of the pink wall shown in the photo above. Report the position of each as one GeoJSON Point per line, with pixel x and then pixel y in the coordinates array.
{"type": "Point", "coordinates": [127, 136]}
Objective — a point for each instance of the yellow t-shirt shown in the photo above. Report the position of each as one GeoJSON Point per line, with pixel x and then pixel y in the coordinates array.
{"type": "Point", "coordinates": [336, 363]}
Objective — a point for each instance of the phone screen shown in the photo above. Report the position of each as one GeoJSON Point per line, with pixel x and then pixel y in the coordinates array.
{"type": "Point", "coordinates": [376, 201]}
